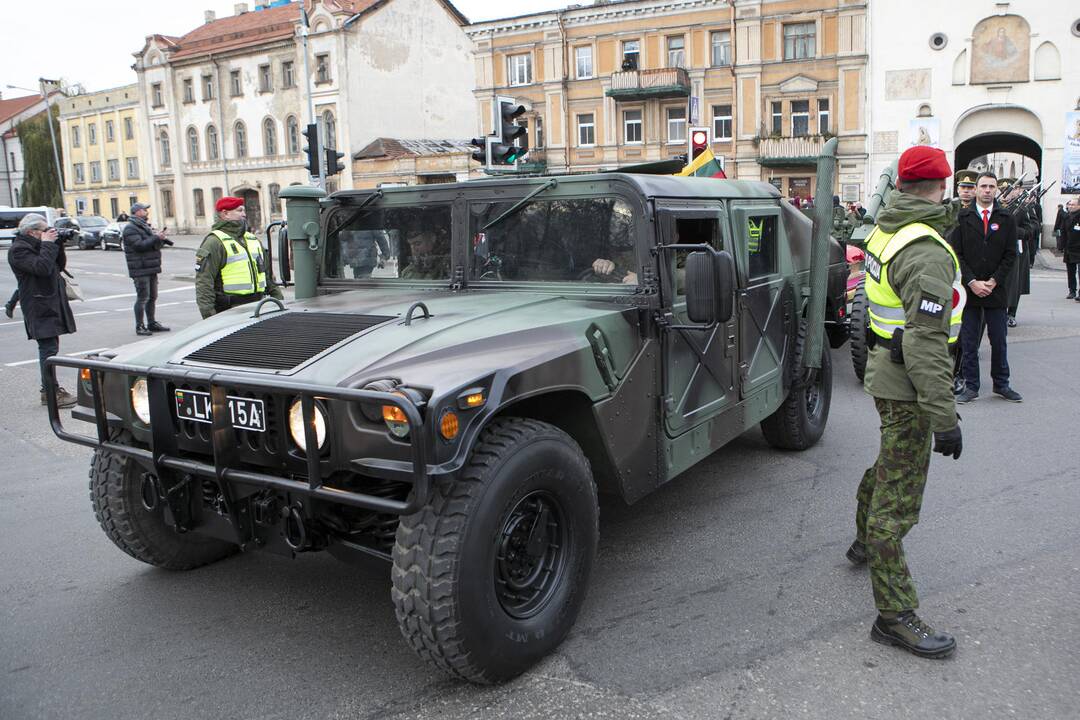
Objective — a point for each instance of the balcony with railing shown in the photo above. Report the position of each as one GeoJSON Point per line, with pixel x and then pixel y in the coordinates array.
{"type": "Point", "coordinates": [773, 151]}
{"type": "Point", "coordinates": [658, 83]}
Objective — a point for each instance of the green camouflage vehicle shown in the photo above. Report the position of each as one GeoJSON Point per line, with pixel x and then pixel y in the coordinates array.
{"type": "Point", "coordinates": [464, 368]}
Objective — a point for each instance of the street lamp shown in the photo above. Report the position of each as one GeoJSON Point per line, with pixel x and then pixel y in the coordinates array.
{"type": "Point", "coordinates": [42, 82]}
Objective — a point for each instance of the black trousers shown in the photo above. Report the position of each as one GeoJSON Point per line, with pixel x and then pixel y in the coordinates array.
{"type": "Point", "coordinates": [47, 347]}
{"type": "Point", "coordinates": [145, 297]}
{"type": "Point", "coordinates": [1072, 270]}
{"type": "Point", "coordinates": [995, 320]}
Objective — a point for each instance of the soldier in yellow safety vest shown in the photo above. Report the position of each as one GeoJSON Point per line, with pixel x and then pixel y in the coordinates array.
{"type": "Point", "coordinates": [910, 276]}
{"type": "Point", "coordinates": [230, 266]}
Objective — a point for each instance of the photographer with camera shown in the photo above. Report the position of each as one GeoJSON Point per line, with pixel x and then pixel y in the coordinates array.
{"type": "Point", "coordinates": [142, 250]}
{"type": "Point", "coordinates": [37, 258]}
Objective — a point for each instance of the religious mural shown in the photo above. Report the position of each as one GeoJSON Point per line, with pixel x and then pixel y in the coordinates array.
{"type": "Point", "coordinates": [1000, 50]}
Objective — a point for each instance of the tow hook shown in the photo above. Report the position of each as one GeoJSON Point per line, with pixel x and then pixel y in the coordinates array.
{"type": "Point", "coordinates": [296, 534]}
{"type": "Point", "coordinates": [150, 492]}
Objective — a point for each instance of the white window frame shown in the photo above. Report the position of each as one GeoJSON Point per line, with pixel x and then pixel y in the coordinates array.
{"type": "Point", "coordinates": [826, 113]}
{"type": "Point", "coordinates": [803, 40]}
{"type": "Point", "coordinates": [796, 116]}
{"type": "Point", "coordinates": [157, 98]}
{"type": "Point", "coordinates": [266, 78]}
{"type": "Point", "coordinates": [714, 46]}
{"type": "Point", "coordinates": [774, 115]}
{"type": "Point", "coordinates": [80, 172]}
{"type": "Point", "coordinates": [722, 117]}
{"type": "Point", "coordinates": [678, 59]}
{"type": "Point", "coordinates": [236, 83]}
{"type": "Point", "coordinates": [583, 62]}
{"type": "Point", "coordinates": [322, 69]}
{"type": "Point", "coordinates": [95, 171]}
{"type": "Point", "coordinates": [627, 123]}
{"type": "Point", "coordinates": [189, 90]}
{"type": "Point", "coordinates": [91, 134]}
{"type": "Point", "coordinates": [112, 167]}
{"type": "Point", "coordinates": [673, 124]}
{"type": "Point", "coordinates": [110, 131]}
{"type": "Point", "coordinates": [129, 129]}
{"type": "Point", "coordinates": [636, 52]}
{"type": "Point", "coordinates": [132, 168]}
{"type": "Point", "coordinates": [591, 126]}
{"type": "Point", "coordinates": [213, 151]}
{"type": "Point", "coordinates": [519, 69]}
{"type": "Point", "coordinates": [76, 136]}
{"type": "Point", "coordinates": [288, 77]}
{"type": "Point", "coordinates": [207, 88]}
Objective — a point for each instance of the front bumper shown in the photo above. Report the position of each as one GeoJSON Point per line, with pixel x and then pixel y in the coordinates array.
{"type": "Point", "coordinates": [170, 467]}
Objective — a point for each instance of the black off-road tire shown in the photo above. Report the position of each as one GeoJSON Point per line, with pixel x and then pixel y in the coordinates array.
{"type": "Point", "coordinates": [447, 595]}
{"type": "Point", "coordinates": [800, 420]}
{"type": "Point", "coordinates": [116, 493]}
{"type": "Point", "coordinates": [860, 324]}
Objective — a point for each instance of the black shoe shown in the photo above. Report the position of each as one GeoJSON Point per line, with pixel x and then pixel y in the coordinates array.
{"type": "Point", "coordinates": [1012, 321]}
{"type": "Point", "coordinates": [9, 310]}
{"type": "Point", "coordinates": [966, 395]}
{"type": "Point", "coordinates": [1009, 394]}
{"type": "Point", "coordinates": [142, 330]}
{"type": "Point", "coordinates": [1070, 296]}
{"type": "Point", "coordinates": [155, 326]}
{"type": "Point", "coordinates": [856, 554]}
{"type": "Point", "coordinates": [64, 399]}
{"type": "Point", "coordinates": [907, 631]}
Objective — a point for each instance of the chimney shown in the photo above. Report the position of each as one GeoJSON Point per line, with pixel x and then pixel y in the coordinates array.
{"type": "Point", "coordinates": [209, 16]}
{"type": "Point", "coordinates": [240, 8]}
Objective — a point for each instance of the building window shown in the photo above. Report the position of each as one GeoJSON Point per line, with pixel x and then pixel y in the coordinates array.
{"type": "Point", "coordinates": [163, 144]}
{"type": "Point", "coordinates": [583, 62]}
{"type": "Point", "coordinates": [200, 206]}
{"type": "Point", "coordinates": [275, 199]}
{"type": "Point", "coordinates": [113, 168]}
{"type": "Point", "coordinates": [322, 68]}
{"type": "Point", "coordinates": [110, 131]}
{"type": "Point", "coordinates": [799, 41]}
{"type": "Point", "coordinates": [240, 138]}
{"type": "Point", "coordinates": [329, 129]}
{"type": "Point", "coordinates": [721, 123]}
{"type": "Point", "coordinates": [292, 130]}
{"type": "Point", "coordinates": [632, 134]}
{"type": "Point", "coordinates": [676, 125]}
{"type": "Point", "coordinates": [269, 137]}
{"type": "Point", "coordinates": [211, 143]}
{"type": "Point", "coordinates": [95, 171]}
{"type": "Point", "coordinates": [800, 118]}
{"type": "Point", "coordinates": [216, 194]}
{"type": "Point", "coordinates": [132, 168]}
{"type": "Point", "coordinates": [287, 78]}
{"type": "Point", "coordinates": [167, 203]}
{"type": "Point", "coordinates": [193, 144]}
{"type": "Point", "coordinates": [114, 206]}
{"type": "Point", "coordinates": [96, 205]}
{"type": "Point", "coordinates": [156, 99]}
{"type": "Point", "coordinates": [129, 129]}
{"type": "Point", "coordinates": [586, 130]}
{"type": "Point", "coordinates": [520, 69]}
{"type": "Point", "coordinates": [823, 116]}
{"type": "Point", "coordinates": [538, 142]}
{"type": "Point", "coordinates": [266, 83]}
{"type": "Point", "coordinates": [189, 90]}
{"type": "Point", "coordinates": [676, 51]}
{"type": "Point", "coordinates": [721, 48]}
{"type": "Point", "coordinates": [76, 136]}
{"type": "Point", "coordinates": [236, 86]}
{"type": "Point", "coordinates": [132, 199]}
{"type": "Point", "coordinates": [207, 87]}
{"type": "Point", "coordinates": [631, 54]}
{"type": "Point", "coordinates": [91, 133]}
{"type": "Point", "coordinates": [777, 118]}
{"type": "Point", "coordinates": [80, 172]}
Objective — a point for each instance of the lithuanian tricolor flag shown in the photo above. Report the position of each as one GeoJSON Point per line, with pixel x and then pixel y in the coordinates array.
{"type": "Point", "coordinates": [705, 165]}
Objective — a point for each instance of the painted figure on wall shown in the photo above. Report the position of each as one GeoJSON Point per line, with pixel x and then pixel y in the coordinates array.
{"type": "Point", "coordinates": [1000, 49]}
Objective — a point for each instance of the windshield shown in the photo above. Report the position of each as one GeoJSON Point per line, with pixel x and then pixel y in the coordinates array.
{"type": "Point", "coordinates": [409, 242]}
{"type": "Point", "coordinates": [565, 240]}
{"type": "Point", "coordinates": [9, 219]}
{"type": "Point", "coordinates": [92, 221]}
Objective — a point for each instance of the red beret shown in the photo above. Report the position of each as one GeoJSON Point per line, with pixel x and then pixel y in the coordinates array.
{"type": "Point", "coordinates": [228, 203]}
{"type": "Point", "coordinates": [923, 162]}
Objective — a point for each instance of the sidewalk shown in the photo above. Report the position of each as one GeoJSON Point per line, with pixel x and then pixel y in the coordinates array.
{"type": "Point", "coordinates": [190, 243]}
{"type": "Point", "coordinates": [1047, 259]}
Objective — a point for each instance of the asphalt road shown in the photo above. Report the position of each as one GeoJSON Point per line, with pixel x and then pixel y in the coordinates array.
{"type": "Point", "coordinates": [724, 594]}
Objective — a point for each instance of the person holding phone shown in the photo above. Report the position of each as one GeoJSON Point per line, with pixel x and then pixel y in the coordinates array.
{"type": "Point", "coordinates": [142, 250]}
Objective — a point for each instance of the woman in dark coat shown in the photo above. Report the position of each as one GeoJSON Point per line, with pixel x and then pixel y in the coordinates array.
{"type": "Point", "coordinates": [37, 260]}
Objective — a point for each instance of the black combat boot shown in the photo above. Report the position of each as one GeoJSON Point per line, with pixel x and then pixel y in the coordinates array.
{"type": "Point", "coordinates": [906, 630]}
{"type": "Point", "coordinates": [856, 554]}
{"type": "Point", "coordinates": [142, 330]}
{"type": "Point", "coordinates": [154, 326]}
{"type": "Point", "coordinates": [64, 399]}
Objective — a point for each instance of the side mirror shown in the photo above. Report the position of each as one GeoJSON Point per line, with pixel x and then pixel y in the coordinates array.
{"type": "Point", "coordinates": [284, 266]}
{"type": "Point", "coordinates": [710, 287]}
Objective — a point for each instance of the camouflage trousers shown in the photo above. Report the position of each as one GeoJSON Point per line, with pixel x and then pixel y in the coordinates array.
{"type": "Point", "coordinates": [889, 500]}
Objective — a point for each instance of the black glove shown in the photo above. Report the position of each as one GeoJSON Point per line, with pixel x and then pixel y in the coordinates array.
{"type": "Point", "coordinates": [949, 442]}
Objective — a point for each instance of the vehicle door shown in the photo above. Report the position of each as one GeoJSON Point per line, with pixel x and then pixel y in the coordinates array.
{"type": "Point", "coordinates": [698, 370]}
{"type": "Point", "coordinates": [765, 302]}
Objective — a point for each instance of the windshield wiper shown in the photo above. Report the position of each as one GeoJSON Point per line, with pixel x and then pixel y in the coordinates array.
{"type": "Point", "coordinates": [357, 213]}
{"type": "Point", "coordinates": [520, 203]}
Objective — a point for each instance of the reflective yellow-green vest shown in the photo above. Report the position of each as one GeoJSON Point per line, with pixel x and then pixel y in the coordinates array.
{"type": "Point", "coordinates": [884, 306]}
{"type": "Point", "coordinates": [244, 271]}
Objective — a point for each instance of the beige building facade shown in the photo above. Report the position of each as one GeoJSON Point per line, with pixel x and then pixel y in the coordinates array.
{"type": "Point", "coordinates": [104, 153]}
{"type": "Point", "coordinates": [621, 83]}
{"type": "Point", "coordinates": [389, 162]}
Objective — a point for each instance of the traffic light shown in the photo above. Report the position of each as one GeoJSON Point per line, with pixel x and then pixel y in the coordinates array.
{"type": "Point", "coordinates": [482, 153]}
{"type": "Point", "coordinates": [511, 140]}
{"type": "Point", "coordinates": [699, 142]}
{"type": "Point", "coordinates": [333, 161]}
{"type": "Point", "coordinates": [311, 136]}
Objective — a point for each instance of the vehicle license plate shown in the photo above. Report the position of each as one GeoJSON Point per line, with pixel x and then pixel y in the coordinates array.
{"type": "Point", "coordinates": [244, 413]}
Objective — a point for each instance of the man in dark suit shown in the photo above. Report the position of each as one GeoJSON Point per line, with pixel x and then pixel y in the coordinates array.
{"type": "Point", "coordinates": [985, 243]}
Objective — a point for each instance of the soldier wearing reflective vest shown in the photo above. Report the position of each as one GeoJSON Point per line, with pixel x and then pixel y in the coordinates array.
{"type": "Point", "coordinates": [911, 285]}
{"type": "Point", "coordinates": [230, 266]}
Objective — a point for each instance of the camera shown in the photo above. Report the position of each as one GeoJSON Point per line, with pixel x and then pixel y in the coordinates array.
{"type": "Point", "coordinates": [66, 234]}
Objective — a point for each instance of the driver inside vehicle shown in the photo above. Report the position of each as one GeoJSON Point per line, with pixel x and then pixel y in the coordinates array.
{"type": "Point", "coordinates": [429, 256]}
{"type": "Point", "coordinates": [610, 270]}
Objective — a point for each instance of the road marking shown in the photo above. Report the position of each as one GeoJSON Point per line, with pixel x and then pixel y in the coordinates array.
{"type": "Point", "coordinates": [92, 312]}
{"type": "Point", "coordinates": [74, 354]}
{"type": "Point", "coordinates": [131, 295]}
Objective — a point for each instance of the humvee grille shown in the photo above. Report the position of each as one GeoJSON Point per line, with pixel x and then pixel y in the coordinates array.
{"type": "Point", "coordinates": [282, 342]}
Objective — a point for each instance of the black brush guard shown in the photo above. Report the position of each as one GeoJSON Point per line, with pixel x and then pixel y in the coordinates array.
{"type": "Point", "coordinates": [162, 453]}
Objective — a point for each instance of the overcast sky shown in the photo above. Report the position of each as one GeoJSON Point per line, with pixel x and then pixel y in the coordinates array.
{"type": "Point", "coordinates": [91, 42]}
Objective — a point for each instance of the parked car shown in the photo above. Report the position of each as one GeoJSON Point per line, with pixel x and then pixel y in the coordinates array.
{"type": "Point", "coordinates": [11, 216]}
{"type": "Point", "coordinates": [111, 235]}
{"type": "Point", "coordinates": [92, 227]}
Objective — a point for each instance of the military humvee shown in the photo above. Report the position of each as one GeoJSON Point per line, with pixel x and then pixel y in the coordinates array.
{"type": "Point", "coordinates": [464, 368]}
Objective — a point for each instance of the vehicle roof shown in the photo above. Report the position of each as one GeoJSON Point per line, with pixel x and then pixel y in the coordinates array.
{"type": "Point", "coordinates": [653, 186]}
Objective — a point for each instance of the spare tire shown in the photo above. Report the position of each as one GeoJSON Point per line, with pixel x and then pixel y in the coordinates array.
{"type": "Point", "coordinates": [860, 325]}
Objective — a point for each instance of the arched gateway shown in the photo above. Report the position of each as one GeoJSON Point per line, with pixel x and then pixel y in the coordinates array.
{"type": "Point", "coordinates": [997, 129]}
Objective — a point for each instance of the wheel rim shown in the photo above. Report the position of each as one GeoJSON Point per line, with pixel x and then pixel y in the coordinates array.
{"type": "Point", "coordinates": [530, 554]}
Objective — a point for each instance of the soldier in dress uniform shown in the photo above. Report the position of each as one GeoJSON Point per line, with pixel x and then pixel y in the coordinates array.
{"type": "Point", "coordinates": [965, 186]}
{"type": "Point", "coordinates": [1020, 284]}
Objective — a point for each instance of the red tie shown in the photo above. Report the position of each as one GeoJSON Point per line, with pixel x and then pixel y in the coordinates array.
{"type": "Point", "coordinates": [986, 222]}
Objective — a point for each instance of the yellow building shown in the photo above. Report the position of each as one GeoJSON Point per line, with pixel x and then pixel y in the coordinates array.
{"type": "Point", "coordinates": [621, 82]}
{"type": "Point", "coordinates": [105, 168]}
{"type": "Point", "coordinates": [394, 161]}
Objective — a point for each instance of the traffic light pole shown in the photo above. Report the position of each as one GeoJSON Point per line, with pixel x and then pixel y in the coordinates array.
{"type": "Point", "coordinates": [310, 99]}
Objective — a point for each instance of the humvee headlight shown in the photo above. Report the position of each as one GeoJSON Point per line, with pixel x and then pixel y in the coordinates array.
{"type": "Point", "coordinates": [296, 425]}
{"type": "Point", "coordinates": [140, 400]}
{"type": "Point", "coordinates": [396, 421]}
{"type": "Point", "coordinates": [84, 374]}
